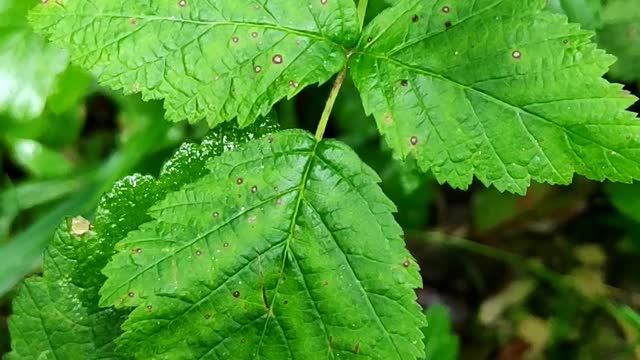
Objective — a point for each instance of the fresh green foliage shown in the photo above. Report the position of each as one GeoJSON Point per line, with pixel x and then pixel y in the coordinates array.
{"type": "Point", "coordinates": [28, 66]}
{"type": "Point", "coordinates": [441, 343]}
{"type": "Point", "coordinates": [65, 299]}
{"type": "Point", "coordinates": [507, 93]}
{"type": "Point", "coordinates": [235, 58]}
{"type": "Point", "coordinates": [620, 34]}
{"type": "Point", "coordinates": [285, 247]}
{"type": "Point", "coordinates": [585, 12]}
{"type": "Point", "coordinates": [51, 312]}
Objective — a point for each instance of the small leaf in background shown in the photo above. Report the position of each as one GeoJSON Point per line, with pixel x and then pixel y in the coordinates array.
{"type": "Point", "coordinates": [285, 236]}
{"type": "Point", "coordinates": [509, 93]}
{"type": "Point", "coordinates": [28, 66]}
{"type": "Point", "coordinates": [626, 198]}
{"type": "Point", "coordinates": [234, 58]}
{"type": "Point", "coordinates": [39, 160]}
{"type": "Point", "coordinates": [585, 12]}
{"type": "Point", "coordinates": [440, 341]}
{"type": "Point", "coordinates": [620, 35]}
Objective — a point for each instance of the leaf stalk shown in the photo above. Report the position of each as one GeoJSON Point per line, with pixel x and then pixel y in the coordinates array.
{"type": "Point", "coordinates": [333, 95]}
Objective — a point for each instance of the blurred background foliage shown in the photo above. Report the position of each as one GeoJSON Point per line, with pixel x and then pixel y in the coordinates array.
{"type": "Point", "coordinates": [551, 275]}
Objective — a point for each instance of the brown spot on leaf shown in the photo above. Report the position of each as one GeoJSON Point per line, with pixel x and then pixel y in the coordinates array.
{"type": "Point", "coordinates": [415, 18]}
{"type": "Point", "coordinates": [448, 25]}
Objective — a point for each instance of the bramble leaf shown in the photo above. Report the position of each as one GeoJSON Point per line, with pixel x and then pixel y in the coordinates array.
{"type": "Point", "coordinates": [28, 66]}
{"type": "Point", "coordinates": [214, 60]}
{"type": "Point", "coordinates": [50, 317]}
{"type": "Point", "coordinates": [57, 315]}
{"type": "Point", "coordinates": [286, 249]}
{"type": "Point", "coordinates": [620, 34]}
{"type": "Point", "coordinates": [497, 89]}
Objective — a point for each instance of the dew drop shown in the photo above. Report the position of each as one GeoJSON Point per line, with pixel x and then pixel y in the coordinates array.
{"type": "Point", "coordinates": [226, 244]}
{"type": "Point", "coordinates": [446, 9]}
{"type": "Point", "coordinates": [324, 2]}
{"type": "Point", "coordinates": [132, 294]}
{"type": "Point", "coordinates": [254, 189]}
{"type": "Point", "coordinates": [207, 316]}
{"type": "Point", "coordinates": [252, 219]}
{"type": "Point", "coordinates": [198, 253]}
{"type": "Point", "coordinates": [293, 84]}
{"type": "Point", "coordinates": [215, 214]}
{"type": "Point", "coordinates": [415, 18]}
{"type": "Point", "coordinates": [182, 3]}
{"type": "Point", "coordinates": [258, 68]}
{"type": "Point", "coordinates": [239, 181]}
{"type": "Point", "coordinates": [406, 263]}
{"type": "Point", "coordinates": [235, 39]}
{"type": "Point", "coordinates": [369, 39]}
{"type": "Point", "coordinates": [138, 251]}
{"type": "Point", "coordinates": [516, 54]}
{"type": "Point", "coordinates": [149, 307]}
{"type": "Point", "coordinates": [254, 34]}
{"type": "Point", "coordinates": [236, 294]}
{"type": "Point", "coordinates": [277, 59]}
{"type": "Point", "coordinates": [414, 140]}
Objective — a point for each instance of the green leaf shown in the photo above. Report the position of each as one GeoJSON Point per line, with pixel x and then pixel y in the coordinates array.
{"type": "Point", "coordinates": [286, 249]}
{"type": "Point", "coordinates": [626, 198]}
{"type": "Point", "coordinates": [38, 159]}
{"type": "Point", "coordinates": [50, 319]}
{"type": "Point", "coordinates": [497, 89]}
{"type": "Point", "coordinates": [441, 342]}
{"type": "Point", "coordinates": [28, 66]}
{"type": "Point", "coordinates": [214, 61]}
{"type": "Point", "coordinates": [585, 12]}
{"type": "Point", "coordinates": [56, 315]}
{"type": "Point", "coordinates": [620, 35]}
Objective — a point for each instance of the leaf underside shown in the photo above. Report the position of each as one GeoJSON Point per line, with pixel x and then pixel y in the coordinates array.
{"type": "Point", "coordinates": [287, 250]}
{"type": "Point", "coordinates": [496, 89]}
{"type": "Point", "coordinates": [214, 60]}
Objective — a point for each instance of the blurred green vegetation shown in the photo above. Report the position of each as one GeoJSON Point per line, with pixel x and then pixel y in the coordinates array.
{"type": "Point", "coordinates": [552, 275]}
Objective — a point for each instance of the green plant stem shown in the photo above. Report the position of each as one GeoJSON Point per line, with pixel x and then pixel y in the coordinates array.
{"type": "Point", "coordinates": [536, 268]}
{"type": "Point", "coordinates": [333, 95]}
{"type": "Point", "coordinates": [362, 11]}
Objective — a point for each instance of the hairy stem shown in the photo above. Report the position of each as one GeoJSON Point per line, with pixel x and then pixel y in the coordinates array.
{"type": "Point", "coordinates": [362, 11]}
{"type": "Point", "coordinates": [333, 95]}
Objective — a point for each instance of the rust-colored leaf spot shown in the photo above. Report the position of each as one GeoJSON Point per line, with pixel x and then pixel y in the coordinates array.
{"type": "Point", "coordinates": [133, 21]}
{"type": "Point", "coordinates": [388, 119]}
